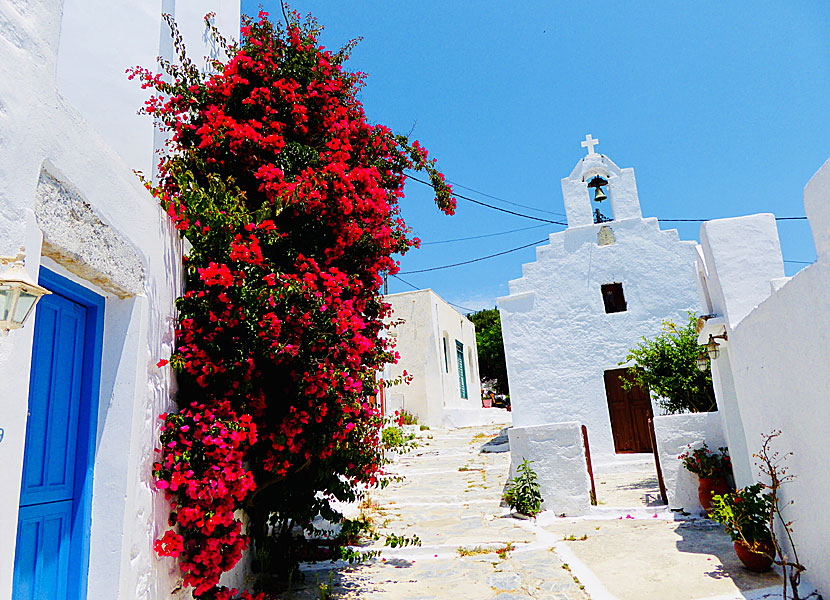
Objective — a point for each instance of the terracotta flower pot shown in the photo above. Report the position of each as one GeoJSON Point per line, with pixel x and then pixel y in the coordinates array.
{"type": "Point", "coordinates": [759, 561]}
{"type": "Point", "coordinates": [709, 486]}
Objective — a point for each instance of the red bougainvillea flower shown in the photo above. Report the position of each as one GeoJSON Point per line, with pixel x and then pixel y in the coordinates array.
{"type": "Point", "coordinates": [288, 198]}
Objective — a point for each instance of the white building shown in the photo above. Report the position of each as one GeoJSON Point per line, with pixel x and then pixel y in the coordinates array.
{"type": "Point", "coordinates": [594, 290]}
{"type": "Point", "coordinates": [81, 393]}
{"type": "Point", "coordinates": [437, 346]}
{"type": "Point", "coordinates": [772, 372]}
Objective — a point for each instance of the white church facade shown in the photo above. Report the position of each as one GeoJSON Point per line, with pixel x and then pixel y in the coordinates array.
{"type": "Point", "coordinates": [81, 393]}
{"type": "Point", "coordinates": [592, 293]}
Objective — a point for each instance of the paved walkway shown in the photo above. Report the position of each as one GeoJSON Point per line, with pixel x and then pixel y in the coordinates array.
{"type": "Point", "coordinates": [473, 549]}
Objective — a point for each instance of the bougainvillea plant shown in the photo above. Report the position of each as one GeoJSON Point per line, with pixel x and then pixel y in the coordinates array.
{"type": "Point", "coordinates": [288, 198]}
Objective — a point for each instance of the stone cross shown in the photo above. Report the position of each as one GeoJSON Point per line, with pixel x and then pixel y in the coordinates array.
{"type": "Point", "coordinates": [590, 143]}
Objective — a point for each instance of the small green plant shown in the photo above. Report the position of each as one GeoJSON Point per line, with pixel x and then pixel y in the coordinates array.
{"type": "Point", "coordinates": [523, 494]}
{"type": "Point", "coordinates": [407, 418]}
{"type": "Point", "coordinates": [573, 538]}
{"type": "Point", "coordinates": [505, 550]}
{"type": "Point", "coordinates": [325, 591]}
{"type": "Point", "coordinates": [394, 439]}
{"type": "Point", "coordinates": [745, 515]}
{"type": "Point", "coordinates": [475, 551]}
{"type": "Point", "coordinates": [399, 541]}
{"type": "Point", "coordinates": [706, 464]}
{"type": "Point", "coordinates": [424, 428]}
{"type": "Point", "coordinates": [353, 530]}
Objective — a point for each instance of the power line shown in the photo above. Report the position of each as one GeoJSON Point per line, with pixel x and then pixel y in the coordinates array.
{"type": "Point", "coordinates": [704, 220]}
{"type": "Point", "coordinates": [467, 262]}
{"type": "Point", "coordinates": [550, 212]}
{"type": "Point", "coordinates": [414, 287]}
{"type": "Point", "coordinates": [476, 237]}
{"type": "Point", "coordinates": [518, 214]}
{"type": "Point", "coordinates": [504, 210]}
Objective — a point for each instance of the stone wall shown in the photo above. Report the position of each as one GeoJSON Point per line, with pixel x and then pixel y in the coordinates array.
{"type": "Point", "coordinates": [675, 435]}
{"type": "Point", "coordinates": [70, 141]}
{"type": "Point", "coordinates": [778, 353]}
{"type": "Point", "coordinates": [558, 459]}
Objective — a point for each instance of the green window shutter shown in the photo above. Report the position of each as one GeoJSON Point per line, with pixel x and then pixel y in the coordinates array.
{"type": "Point", "coordinates": [462, 373]}
{"type": "Point", "coordinates": [446, 356]}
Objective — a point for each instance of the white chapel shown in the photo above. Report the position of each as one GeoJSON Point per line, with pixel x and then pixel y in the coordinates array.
{"type": "Point", "coordinates": [593, 291]}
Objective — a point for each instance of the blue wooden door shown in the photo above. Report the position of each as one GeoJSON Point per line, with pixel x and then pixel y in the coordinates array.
{"type": "Point", "coordinates": [55, 461]}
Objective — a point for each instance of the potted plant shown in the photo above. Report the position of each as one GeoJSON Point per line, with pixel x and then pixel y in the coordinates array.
{"type": "Point", "coordinates": [712, 469]}
{"type": "Point", "coordinates": [746, 516]}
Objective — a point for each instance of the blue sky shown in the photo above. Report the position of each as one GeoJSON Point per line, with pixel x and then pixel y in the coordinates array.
{"type": "Point", "coordinates": [721, 108]}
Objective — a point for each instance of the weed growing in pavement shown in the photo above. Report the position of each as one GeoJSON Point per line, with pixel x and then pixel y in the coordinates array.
{"type": "Point", "coordinates": [523, 494]}
{"type": "Point", "coordinates": [573, 538]}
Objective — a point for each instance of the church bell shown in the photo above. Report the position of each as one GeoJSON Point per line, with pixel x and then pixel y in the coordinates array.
{"type": "Point", "coordinates": [597, 183]}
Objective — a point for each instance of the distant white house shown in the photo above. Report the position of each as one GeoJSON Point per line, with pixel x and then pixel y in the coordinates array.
{"type": "Point", "coordinates": [81, 393]}
{"type": "Point", "coordinates": [437, 346]}
{"type": "Point", "coordinates": [594, 290]}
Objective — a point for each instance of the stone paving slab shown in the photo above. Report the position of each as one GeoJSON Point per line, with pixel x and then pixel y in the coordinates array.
{"type": "Point", "coordinates": [451, 497]}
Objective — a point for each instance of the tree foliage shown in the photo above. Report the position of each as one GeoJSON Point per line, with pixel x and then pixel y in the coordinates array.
{"type": "Point", "coordinates": [289, 199]}
{"type": "Point", "coordinates": [667, 366]}
{"type": "Point", "coordinates": [491, 361]}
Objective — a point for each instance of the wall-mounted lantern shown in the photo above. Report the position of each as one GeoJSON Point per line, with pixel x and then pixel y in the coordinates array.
{"type": "Point", "coordinates": [18, 293]}
{"type": "Point", "coordinates": [712, 351]}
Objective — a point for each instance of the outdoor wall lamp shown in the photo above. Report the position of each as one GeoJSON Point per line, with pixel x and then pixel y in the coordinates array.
{"type": "Point", "coordinates": [712, 351]}
{"type": "Point", "coordinates": [18, 293]}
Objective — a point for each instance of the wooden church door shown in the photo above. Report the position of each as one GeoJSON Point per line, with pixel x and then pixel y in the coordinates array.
{"type": "Point", "coordinates": [629, 412]}
{"type": "Point", "coordinates": [51, 556]}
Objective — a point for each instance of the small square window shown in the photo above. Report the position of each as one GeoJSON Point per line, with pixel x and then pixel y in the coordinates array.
{"type": "Point", "coordinates": [613, 297]}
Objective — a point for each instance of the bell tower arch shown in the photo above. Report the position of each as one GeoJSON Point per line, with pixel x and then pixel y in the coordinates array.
{"type": "Point", "coordinates": [597, 184]}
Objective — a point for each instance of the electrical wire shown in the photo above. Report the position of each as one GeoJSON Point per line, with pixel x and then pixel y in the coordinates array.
{"type": "Point", "coordinates": [477, 237]}
{"type": "Point", "coordinates": [427, 183]}
{"type": "Point", "coordinates": [550, 212]}
{"type": "Point", "coordinates": [704, 220]}
{"type": "Point", "coordinates": [504, 210]}
{"type": "Point", "coordinates": [467, 262]}
{"type": "Point", "coordinates": [414, 287]}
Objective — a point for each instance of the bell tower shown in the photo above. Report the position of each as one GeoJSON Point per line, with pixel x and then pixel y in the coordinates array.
{"type": "Point", "coordinates": [598, 191]}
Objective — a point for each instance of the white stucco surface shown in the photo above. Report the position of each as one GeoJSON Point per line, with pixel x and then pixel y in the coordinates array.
{"type": "Point", "coordinates": [68, 123]}
{"type": "Point", "coordinates": [558, 338]}
{"type": "Point", "coordinates": [779, 355]}
{"type": "Point", "coordinates": [558, 459]}
{"type": "Point", "coordinates": [675, 435]}
{"type": "Point", "coordinates": [428, 321]}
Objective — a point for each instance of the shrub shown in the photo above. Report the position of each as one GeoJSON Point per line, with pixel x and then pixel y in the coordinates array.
{"type": "Point", "coordinates": [288, 197]}
{"type": "Point", "coordinates": [667, 366]}
{"type": "Point", "coordinates": [523, 494]}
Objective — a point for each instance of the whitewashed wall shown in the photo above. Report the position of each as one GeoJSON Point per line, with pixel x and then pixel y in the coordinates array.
{"type": "Point", "coordinates": [558, 459]}
{"type": "Point", "coordinates": [70, 142]}
{"type": "Point", "coordinates": [433, 391]}
{"type": "Point", "coordinates": [558, 338]}
{"type": "Point", "coordinates": [779, 355]}
{"type": "Point", "coordinates": [675, 434]}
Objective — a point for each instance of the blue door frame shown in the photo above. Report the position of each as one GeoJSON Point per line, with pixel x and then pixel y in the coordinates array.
{"type": "Point", "coordinates": [74, 561]}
